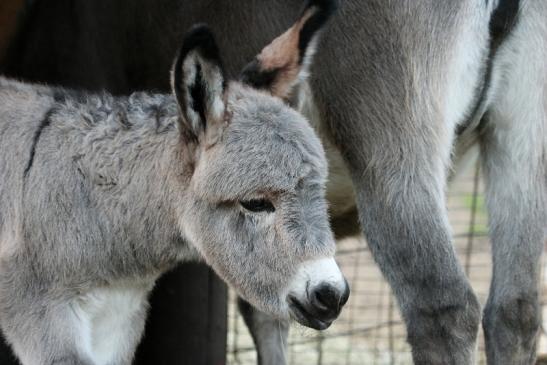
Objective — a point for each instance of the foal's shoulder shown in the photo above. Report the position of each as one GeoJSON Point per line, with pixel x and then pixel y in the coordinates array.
{"type": "Point", "coordinates": [81, 108]}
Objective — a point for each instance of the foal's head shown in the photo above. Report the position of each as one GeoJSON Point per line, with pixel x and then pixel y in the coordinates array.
{"type": "Point", "coordinates": [256, 205]}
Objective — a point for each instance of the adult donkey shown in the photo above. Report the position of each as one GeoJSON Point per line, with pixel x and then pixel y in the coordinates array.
{"type": "Point", "coordinates": [100, 195]}
{"type": "Point", "coordinates": [398, 84]}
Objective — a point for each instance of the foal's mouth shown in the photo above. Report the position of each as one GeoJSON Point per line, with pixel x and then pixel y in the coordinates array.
{"type": "Point", "coordinates": [299, 313]}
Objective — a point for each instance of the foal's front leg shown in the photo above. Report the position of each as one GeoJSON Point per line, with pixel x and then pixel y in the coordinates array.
{"type": "Point", "coordinates": [45, 335]}
{"type": "Point", "coordinates": [101, 326]}
{"type": "Point", "coordinates": [269, 334]}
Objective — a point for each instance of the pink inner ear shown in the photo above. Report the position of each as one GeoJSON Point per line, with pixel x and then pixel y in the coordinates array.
{"type": "Point", "coordinates": [283, 55]}
{"type": "Point", "coordinates": [282, 52]}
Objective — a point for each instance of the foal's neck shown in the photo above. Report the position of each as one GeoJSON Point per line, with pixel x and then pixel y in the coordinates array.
{"type": "Point", "coordinates": [130, 151]}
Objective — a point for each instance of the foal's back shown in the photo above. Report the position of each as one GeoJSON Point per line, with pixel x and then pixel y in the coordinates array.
{"type": "Point", "coordinates": [101, 148]}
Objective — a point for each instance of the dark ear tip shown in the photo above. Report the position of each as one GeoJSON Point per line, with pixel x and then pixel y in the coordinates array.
{"type": "Point", "coordinates": [200, 37]}
{"type": "Point", "coordinates": [199, 30]}
{"type": "Point", "coordinates": [321, 12]}
{"type": "Point", "coordinates": [326, 7]}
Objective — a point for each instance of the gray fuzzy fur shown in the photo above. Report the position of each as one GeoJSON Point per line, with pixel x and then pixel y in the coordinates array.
{"type": "Point", "coordinates": [396, 80]}
{"type": "Point", "coordinates": [111, 200]}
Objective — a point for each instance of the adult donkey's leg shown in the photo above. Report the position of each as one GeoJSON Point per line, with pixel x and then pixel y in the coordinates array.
{"type": "Point", "coordinates": [404, 220]}
{"type": "Point", "coordinates": [514, 141]}
{"type": "Point", "coordinates": [392, 100]}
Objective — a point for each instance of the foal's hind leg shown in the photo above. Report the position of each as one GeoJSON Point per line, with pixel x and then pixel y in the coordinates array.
{"type": "Point", "coordinates": [269, 334]}
{"type": "Point", "coordinates": [514, 158]}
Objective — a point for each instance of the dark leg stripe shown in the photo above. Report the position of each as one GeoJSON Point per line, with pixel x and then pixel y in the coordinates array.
{"type": "Point", "coordinates": [325, 10]}
{"type": "Point", "coordinates": [501, 24]}
{"type": "Point", "coordinates": [503, 21]}
{"type": "Point", "coordinates": [46, 121]}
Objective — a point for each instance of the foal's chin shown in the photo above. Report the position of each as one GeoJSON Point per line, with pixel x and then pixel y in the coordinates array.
{"type": "Point", "coordinates": [298, 313]}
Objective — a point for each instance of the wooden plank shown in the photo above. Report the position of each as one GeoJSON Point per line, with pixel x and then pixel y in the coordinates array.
{"type": "Point", "coordinates": [9, 12]}
{"type": "Point", "coordinates": [187, 322]}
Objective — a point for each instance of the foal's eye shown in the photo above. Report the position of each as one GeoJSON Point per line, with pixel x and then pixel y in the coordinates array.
{"type": "Point", "coordinates": [258, 205]}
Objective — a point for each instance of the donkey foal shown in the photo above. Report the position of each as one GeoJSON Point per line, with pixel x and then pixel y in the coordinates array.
{"type": "Point", "coordinates": [99, 195]}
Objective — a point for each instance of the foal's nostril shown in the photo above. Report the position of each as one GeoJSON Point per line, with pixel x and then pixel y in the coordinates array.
{"type": "Point", "coordinates": [327, 299]}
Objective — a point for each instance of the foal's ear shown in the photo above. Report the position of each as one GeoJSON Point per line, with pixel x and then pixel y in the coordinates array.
{"type": "Point", "coordinates": [286, 61]}
{"type": "Point", "coordinates": [198, 82]}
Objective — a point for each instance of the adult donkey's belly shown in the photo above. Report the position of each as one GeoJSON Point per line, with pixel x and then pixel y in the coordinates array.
{"type": "Point", "coordinates": [340, 193]}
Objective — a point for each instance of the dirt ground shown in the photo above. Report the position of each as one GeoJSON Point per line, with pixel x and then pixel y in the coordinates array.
{"type": "Point", "coordinates": [370, 330]}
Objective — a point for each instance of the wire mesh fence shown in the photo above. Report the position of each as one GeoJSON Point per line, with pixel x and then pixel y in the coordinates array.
{"type": "Point", "coordinates": [370, 329]}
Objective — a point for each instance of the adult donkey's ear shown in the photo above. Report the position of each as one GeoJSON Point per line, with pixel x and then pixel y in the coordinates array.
{"type": "Point", "coordinates": [198, 82]}
{"type": "Point", "coordinates": [286, 61]}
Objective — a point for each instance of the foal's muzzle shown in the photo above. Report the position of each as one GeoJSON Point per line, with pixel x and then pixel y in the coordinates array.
{"type": "Point", "coordinates": [319, 292]}
{"type": "Point", "coordinates": [323, 306]}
